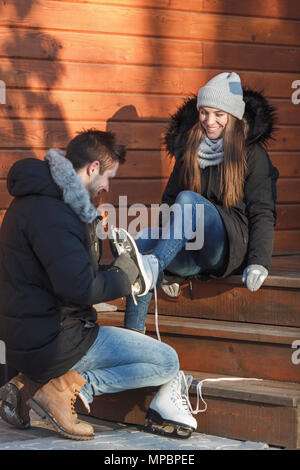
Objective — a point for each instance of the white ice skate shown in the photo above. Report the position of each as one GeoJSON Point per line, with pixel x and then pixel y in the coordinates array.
{"type": "Point", "coordinates": [122, 242]}
{"type": "Point", "coordinates": [169, 413]}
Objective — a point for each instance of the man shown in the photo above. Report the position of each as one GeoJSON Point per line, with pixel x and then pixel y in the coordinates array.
{"type": "Point", "coordinates": [50, 279]}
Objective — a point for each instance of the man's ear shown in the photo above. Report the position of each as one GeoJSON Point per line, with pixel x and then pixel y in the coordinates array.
{"type": "Point", "coordinates": [92, 167]}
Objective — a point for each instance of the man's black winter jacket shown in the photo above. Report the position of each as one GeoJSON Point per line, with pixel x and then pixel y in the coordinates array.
{"type": "Point", "coordinates": [49, 275]}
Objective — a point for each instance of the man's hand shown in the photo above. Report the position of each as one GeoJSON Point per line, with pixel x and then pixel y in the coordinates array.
{"type": "Point", "coordinates": [254, 275]}
{"type": "Point", "coordinates": [126, 264]}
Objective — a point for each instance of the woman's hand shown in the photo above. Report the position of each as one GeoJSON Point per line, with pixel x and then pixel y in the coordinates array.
{"type": "Point", "coordinates": [254, 275]}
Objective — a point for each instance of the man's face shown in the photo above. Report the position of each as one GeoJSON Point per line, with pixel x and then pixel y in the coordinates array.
{"type": "Point", "coordinates": [97, 182]}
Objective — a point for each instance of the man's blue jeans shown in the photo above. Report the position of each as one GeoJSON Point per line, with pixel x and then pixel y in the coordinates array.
{"type": "Point", "coordinates": [122, 359]}
{"type": "Point", "coordinates": [173, 255]}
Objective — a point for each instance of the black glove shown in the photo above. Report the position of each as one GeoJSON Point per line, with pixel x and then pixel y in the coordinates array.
{"type": "Point", "coordinates": [126, 264]}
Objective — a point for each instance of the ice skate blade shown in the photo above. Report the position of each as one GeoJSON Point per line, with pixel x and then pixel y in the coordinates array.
{"type": "Point", "coordinates": [166, 428]}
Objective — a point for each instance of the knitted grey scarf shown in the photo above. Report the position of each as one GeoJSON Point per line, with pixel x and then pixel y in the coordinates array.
{"type": "Point", "coordinates": [210, 152]}
{"type": "Point", "coordinates": [74, 193]}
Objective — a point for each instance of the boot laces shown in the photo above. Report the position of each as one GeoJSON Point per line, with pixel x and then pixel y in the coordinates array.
{"type": "Point", "coordinates": [180, 393]}
{"type": "Point", "coordinates": [73, 401]}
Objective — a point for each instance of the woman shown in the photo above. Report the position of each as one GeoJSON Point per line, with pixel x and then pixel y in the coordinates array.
{"type": "Point", "coordinates": [216, 139]}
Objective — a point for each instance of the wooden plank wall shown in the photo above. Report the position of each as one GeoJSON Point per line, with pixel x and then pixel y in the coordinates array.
{"type": "Point", "coordinates": [125, 65]}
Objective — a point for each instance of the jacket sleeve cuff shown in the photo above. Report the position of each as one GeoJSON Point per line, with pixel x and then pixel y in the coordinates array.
{"type": "Point", "coordinates": [108, 285]}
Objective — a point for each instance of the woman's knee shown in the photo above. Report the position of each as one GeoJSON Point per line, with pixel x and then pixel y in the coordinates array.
{"type": "Point", "coordinates": [145, 240]}
{"type": "Point", "coordinates": [171, 361]}
{"type": "Point", "coordinates": [189, 197]}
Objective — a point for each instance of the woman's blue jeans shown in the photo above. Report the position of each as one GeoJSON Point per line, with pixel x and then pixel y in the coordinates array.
{"type": "Point", "coordinates": [172, 252]}
{"type": "Point", "coordinates": [120, 359]}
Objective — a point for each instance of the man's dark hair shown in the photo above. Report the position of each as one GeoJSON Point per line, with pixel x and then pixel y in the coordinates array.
{"type": "Point", "coordinates": [92, 145]}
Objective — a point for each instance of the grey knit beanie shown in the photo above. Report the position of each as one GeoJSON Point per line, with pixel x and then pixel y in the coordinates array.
{"type": "Point", "coordinates": [224, 91]}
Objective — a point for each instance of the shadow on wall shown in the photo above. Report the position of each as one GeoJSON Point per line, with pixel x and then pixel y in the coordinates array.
{"type": "Point", "coordinates": [139, 181]}
{"type": "Point", "coordinates": [28, 86]}
{"type": "Point", "coordinates": [128, 117]}
{"type": "Point", "coordinates": [23, 79]}
{"type": "Point", "coordinates": [139, 163]}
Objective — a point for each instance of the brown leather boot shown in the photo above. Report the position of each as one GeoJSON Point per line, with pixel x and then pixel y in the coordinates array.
{"type": "Point", "coordinates": [55, 402]}
{"type": "Point", "coordinates": [14, 395]}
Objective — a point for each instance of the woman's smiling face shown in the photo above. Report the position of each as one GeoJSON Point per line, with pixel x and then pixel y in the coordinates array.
{"type": "Point", "coordinates": [213, 121]}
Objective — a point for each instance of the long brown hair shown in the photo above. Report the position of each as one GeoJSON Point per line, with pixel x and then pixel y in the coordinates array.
{"type": "Point", "coordinates": [233, 168]}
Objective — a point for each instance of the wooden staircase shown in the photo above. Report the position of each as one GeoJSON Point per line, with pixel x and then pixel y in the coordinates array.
{"type": "Point", "coordinates": [220, 329]}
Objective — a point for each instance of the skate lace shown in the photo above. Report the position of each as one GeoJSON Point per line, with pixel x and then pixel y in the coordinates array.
{"type": "Point", "coordinates": [155, 306]}
{"type": "Point", "coordinates": [181, 398]}
{"type": "Point", "coordinates": [126, 247]}
{"type": "Point", "coordinates": [156, 313]}
{"type": "Point", "coordinates": [134, 292]}
{"type": "Point", "coordinates": [199, 391]}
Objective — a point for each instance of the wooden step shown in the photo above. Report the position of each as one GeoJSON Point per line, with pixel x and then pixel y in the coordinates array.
{"type": "Point", "coordinates": [222, 347]}
{"type": "Point", "coordinates": [222, 329]}
{"type": "Point", "coordinates": [262, 411]}
{"type": "Point", "coordinates": [272, 392]}
{"type": "Point", "coordinates": [277, 302]}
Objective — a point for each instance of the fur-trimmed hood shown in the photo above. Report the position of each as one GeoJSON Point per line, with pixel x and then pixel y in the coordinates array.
{"type": "Point", "coordinates": [259, 115]}
{"type": "Point", "coordinates": [55, 177]}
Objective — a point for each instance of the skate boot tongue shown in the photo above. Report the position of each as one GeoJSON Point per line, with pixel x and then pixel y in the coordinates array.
{"type": "Point", "coordinates": [185, 384]}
